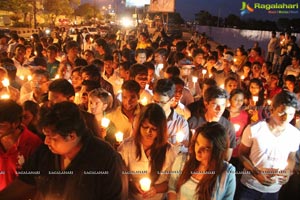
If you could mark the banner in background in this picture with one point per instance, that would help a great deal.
(162, 6)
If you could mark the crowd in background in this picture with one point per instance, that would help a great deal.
(192, 115)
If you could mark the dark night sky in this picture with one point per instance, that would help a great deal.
(188, 8)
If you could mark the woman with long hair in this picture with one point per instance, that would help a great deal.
(148, 154)
(205, 174)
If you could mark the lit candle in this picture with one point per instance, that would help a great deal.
(145, 184)
(222, 86)
(255, 99)
(5, 96)
(242, 77)
(22, 77)
(194, 79)
(236, 127)
(193, 131)
(269, 101)
(179, 136)
(29, 77)
(105, 122)
(56, 76)
(5, 82)
(234, 60)
(144, 101)
(204, 71)
(119, 136)
(160, 66)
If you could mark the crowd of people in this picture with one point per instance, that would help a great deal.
(93, 118)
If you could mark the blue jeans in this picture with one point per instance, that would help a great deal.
(245, 193)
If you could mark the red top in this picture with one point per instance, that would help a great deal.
(242, 120)
(14, 158)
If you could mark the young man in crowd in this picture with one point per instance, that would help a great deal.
(268, 150)
(215, 99)
(125, 115)
(70, 159)
(163, 95)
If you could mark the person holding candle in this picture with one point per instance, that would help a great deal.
(177, 105)
(268, 150)
(100, 102)
(125, 115)
(164, 95)
(245, 75)
(255, 100)
(240, 119)
(72, 164)
(160, 58)
(240, 57)
(39, 86)
(272, 86)
(148, 154)
(7, 91)
(17, 143)
(204, 173)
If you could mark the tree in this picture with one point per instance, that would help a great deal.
(54, 8)
(203, 17)
(232, 21)
(18, 7)
(87, 11)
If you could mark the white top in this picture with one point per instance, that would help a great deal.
(224, 188)
(137, 169)
(268, 151)
(290, 70)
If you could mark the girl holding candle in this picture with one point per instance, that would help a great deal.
(205, 175)
(239, 118)
(99, 102)
(255, 100)
(148, 154)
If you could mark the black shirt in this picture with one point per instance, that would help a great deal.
(95, 173)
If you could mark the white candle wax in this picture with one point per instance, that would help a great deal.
(236, 127)
(179, 136)
(119, 136)
(105, 122)
(255, 98)
(145, 184)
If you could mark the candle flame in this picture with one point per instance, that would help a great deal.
(5, 82)
(145, 184)
(119, 136)
(179, 136)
